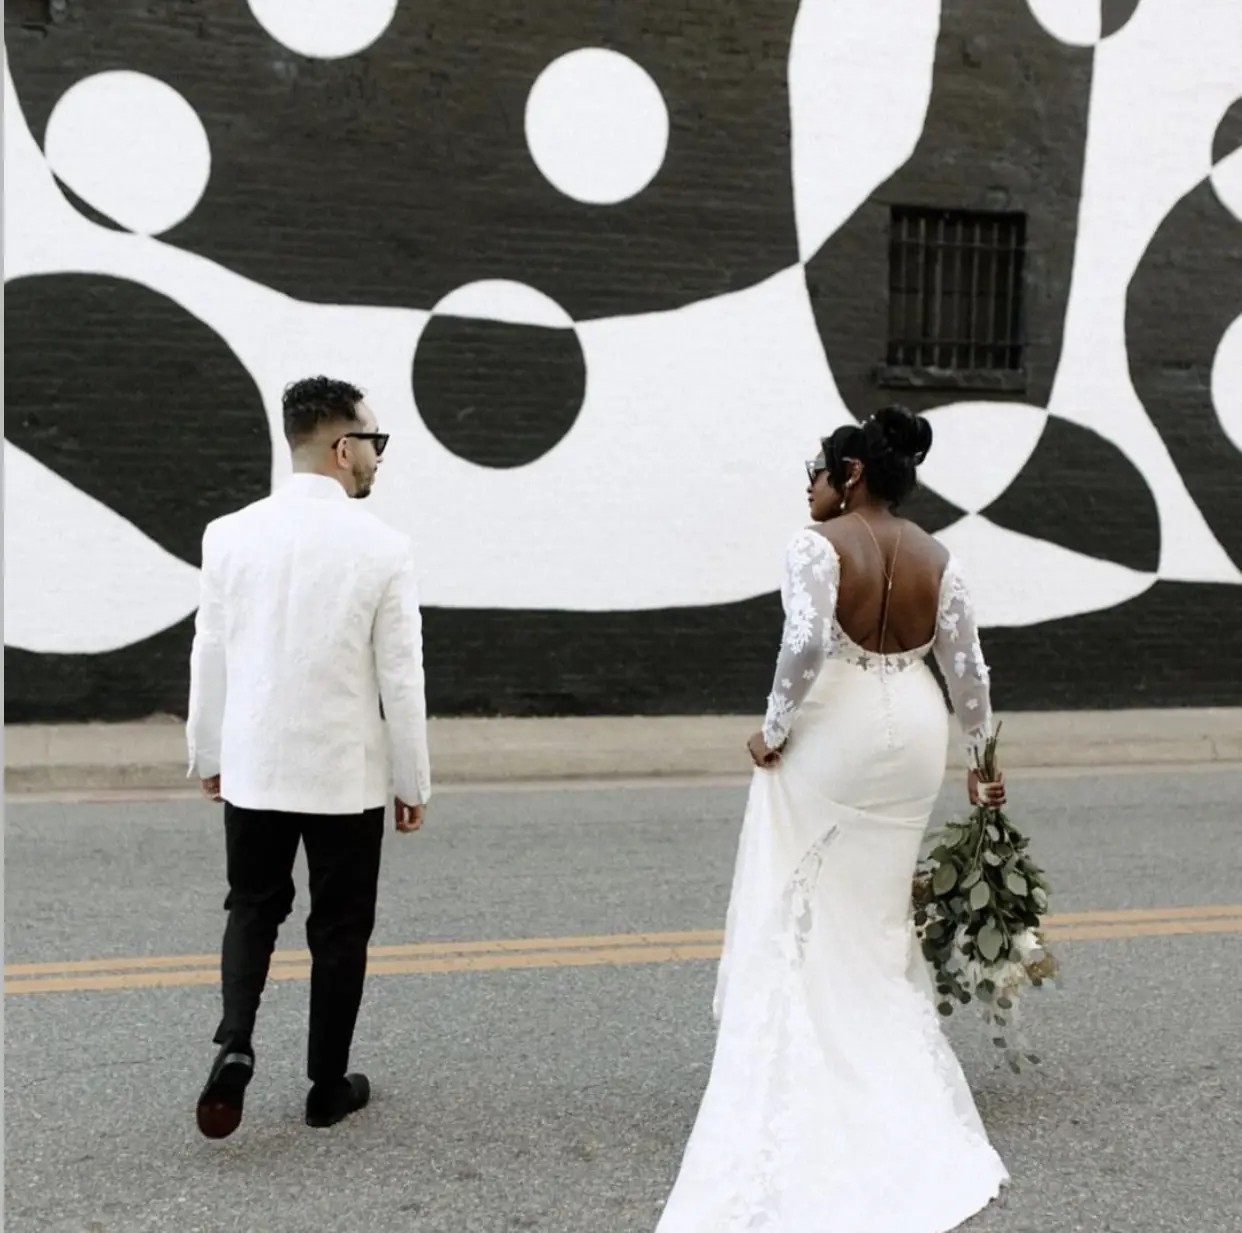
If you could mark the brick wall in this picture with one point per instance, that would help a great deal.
(600, 407)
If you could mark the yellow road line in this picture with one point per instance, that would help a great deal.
(1153, 929)
(411, 949)
(515, 954)
(1125, 915)
(496, 962)
(589, 941)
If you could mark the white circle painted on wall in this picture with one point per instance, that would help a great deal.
(1083, 23)
(131, 147)
(324, 29)
(1076, 22)
(597, 126)
(501, 299)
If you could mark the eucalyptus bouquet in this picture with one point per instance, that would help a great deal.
(979, 899)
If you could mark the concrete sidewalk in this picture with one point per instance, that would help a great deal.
(151, 755)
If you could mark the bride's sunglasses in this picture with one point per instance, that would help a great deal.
(814, 469)
(378, 439)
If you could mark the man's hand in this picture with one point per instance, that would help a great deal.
(993, 794)
(760, 754)
(409, 817)
(211, 788)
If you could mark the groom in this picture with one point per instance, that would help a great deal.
(307, 646)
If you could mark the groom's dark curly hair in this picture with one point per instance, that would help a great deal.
(314, 401)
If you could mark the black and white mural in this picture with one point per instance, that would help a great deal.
(607, 273)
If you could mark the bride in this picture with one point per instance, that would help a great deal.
(835, 1104)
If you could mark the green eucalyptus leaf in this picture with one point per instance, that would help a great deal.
(971, 878)
(945, 1008)
(944, 879)
(992, 833)
(989, 942)
(1004, 1003)
(1017, 884)
(981, 896)
(992, 859)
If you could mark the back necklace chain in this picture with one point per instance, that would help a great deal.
(887, 570)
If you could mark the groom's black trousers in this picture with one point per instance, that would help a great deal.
(343, 856)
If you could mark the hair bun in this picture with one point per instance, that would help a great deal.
(902, 432)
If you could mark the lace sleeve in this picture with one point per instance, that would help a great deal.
(812, 576)
(960, 656)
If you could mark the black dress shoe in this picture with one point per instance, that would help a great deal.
(329, 1103)
(220, 1105)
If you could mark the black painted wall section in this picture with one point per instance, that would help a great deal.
(1079, 491)
(397, 175)
(1005, 131)
(1185, 294)
(492, 424)
(401, 174)
(95, 367)
(1178, 645)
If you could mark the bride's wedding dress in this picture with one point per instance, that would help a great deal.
(835, 1104)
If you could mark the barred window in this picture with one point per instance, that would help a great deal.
(955, 290)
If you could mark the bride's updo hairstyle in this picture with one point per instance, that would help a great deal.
(890, 445)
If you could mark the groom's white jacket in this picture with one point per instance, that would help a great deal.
(308, 618)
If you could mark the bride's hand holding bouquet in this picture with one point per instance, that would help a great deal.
(979, 900)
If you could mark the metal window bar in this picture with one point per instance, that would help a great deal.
(955, 289)
(914, 307)
(961, 350)
(1016, 251)
(995, 290)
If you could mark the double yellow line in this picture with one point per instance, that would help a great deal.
(516, 954)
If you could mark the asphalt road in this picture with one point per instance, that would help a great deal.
(555, 1094)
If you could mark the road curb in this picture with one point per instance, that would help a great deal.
(151, 755)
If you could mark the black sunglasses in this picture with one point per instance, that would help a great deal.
(814, 469)
(378, 439)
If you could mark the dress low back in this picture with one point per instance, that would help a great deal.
(835, 1104)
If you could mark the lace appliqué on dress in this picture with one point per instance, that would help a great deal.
(809, 595)
(799, 898)
(959, 653)
(873, 661)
